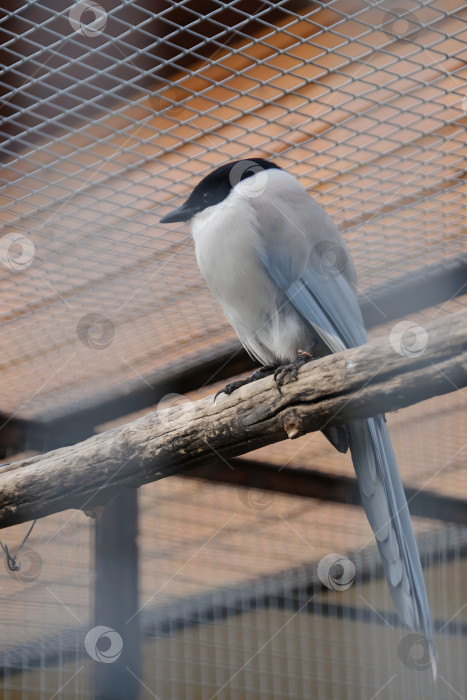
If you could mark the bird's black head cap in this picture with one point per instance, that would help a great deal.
(216, 186)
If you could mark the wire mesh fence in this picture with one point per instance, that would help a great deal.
(111, 113)
(110, 122)
(232, 604)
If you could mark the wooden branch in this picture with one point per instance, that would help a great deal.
(392, 299)
(358, 383)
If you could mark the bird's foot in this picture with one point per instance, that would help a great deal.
(303, 356)
(265, 371)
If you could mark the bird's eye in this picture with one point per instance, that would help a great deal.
(206, 196)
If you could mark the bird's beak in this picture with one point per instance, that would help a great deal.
(183, 213)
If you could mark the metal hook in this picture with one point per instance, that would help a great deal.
(11, 560)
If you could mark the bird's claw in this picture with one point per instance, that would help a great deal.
(230, 388)
(303, 356)
(282, 372)
(258, 374)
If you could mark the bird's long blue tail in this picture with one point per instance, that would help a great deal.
(386, 507)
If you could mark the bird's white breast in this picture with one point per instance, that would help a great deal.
(226, 243)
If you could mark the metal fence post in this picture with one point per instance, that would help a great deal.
(116, 599)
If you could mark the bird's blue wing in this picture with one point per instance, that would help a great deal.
(297, 236)
(305, 255)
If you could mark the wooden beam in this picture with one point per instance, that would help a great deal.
(312, 483)
(375, 378)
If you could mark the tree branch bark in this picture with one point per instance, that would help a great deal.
(358, 383)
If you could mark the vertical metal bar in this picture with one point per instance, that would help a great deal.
(116, 599)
